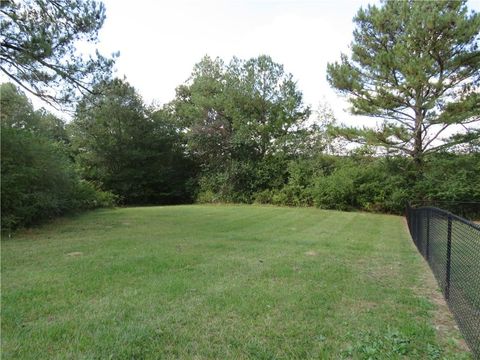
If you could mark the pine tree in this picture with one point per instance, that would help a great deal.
(415, 65)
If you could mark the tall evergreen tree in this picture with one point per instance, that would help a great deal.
(416, 65)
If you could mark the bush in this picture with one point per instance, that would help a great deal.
(380, 185)
(39, 181)
(336, 191)
(234, 184)
(354, 183)
(87, 196)
(451, 182)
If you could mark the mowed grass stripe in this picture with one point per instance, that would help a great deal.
(217, 282)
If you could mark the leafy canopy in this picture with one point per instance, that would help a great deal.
(243, 110)
(124, 147)
(241, 121)
(39, 180)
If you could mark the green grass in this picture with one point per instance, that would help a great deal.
(224, 282)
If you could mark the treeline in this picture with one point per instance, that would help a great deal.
(236, 132)
(39, 178)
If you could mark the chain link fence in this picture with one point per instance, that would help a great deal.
(469, 210)
(451, 246)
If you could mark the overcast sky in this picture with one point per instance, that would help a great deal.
(160, 41)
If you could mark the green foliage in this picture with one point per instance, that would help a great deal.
(31, 168)
(368, 184)
(453, 178)
(87, 196)
(379, 184)
(39, 41)
(268, 107)
(338, 190)
(414, 65)
(123, 147)
(17, 112)
(451, 182)
(245, 123)
(264, 197)
(291, 195)
(297, 189)
(39, 181)
(241, 122)
(232, 185)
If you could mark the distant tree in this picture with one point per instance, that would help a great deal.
(39, 180)
(248, 106)
(267, 105)
(416, 65)
(39, 47)
(201, 109)
(124, 148)
(17, 112)
(317, 137)
(240, 121)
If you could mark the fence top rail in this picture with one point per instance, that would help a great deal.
(448, 213)
(443, 202)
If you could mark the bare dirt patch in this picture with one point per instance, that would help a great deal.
(311, 253)
(75, 253)
(364, 305)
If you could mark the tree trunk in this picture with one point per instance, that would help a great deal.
(418, 151)
(418, 143)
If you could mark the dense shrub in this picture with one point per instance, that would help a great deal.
(242, 181)
(451, 182)
(39, 178)
(143, 158)
(39, 181)
(87, 196)
(379, 184)
(366, 184)
(230, 185)
(264, 197)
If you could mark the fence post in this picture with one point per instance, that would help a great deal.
(419, 212)
(427, 250)
(449, 256)
(420, 227)
(409, 218)
(415, 227)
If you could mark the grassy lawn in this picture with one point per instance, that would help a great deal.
(224, 282)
